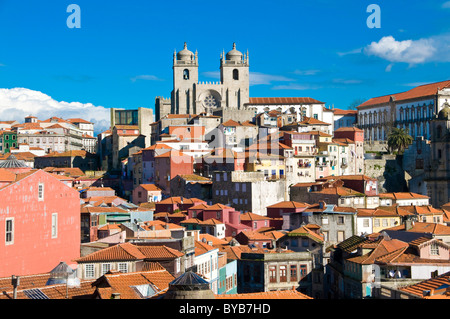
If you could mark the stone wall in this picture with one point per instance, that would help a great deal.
(388, 171)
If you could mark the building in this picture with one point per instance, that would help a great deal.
(299, 108)
(247, 191)
(413, 109)
(71, 159)
(146, 193)
(128, 258)
(344, 118)
(34, 199)
(438, 173)
(170, 164)
(190, 96)
(272, 271)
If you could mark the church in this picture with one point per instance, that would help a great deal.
(189, 96)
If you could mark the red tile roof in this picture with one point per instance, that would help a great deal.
(419, 91)
(282, 100)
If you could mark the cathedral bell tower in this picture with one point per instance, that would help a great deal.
(185, 76)
(234, 76)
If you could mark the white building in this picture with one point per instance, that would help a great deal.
(207, 262)
(413, 109)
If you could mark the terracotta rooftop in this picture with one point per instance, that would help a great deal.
(289, 204)
(436, 286)
(249, 216)
(128, 251)
(126, 284)
(419, 91)
(403, 195)
(282, 100)
(150, 187)
(282, 294)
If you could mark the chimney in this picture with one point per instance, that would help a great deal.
(409, 223)
(15, 281)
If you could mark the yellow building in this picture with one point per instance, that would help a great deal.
(272, 165)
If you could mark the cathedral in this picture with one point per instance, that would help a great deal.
(189, 96)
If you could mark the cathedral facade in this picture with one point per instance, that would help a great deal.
(189, 96)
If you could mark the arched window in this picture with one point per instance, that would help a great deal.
(235, 74)
(186, 74)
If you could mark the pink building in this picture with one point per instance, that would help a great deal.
(146, 193)
(169, 165)
(292, 207)
(255, 221)
(227, 215)
(39, 224)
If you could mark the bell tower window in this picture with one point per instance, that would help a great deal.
(235, 74)
(186, 74)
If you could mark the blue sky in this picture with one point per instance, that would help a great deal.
(122, 54)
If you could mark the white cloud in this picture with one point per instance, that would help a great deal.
(355, 51)
(446, 5)
(347, 81)
(389, 67)
(407, 51)
(306, 72)
(295, 86)
(17, 103)
(145, 77)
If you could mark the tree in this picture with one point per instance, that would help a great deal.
(398, 140)
(355, 103)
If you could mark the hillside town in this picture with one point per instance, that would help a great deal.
(216, 194)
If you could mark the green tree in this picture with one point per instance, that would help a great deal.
(398, 140)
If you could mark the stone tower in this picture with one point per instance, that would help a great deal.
(189, 286)
(234, 76)
(438, 173)
(185, 76)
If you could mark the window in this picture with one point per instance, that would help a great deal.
(324, 220)
(376, 223)
(9, 231)
(366, 222)
(235, 74)
(283, 273)
(385, 222)
(105, 268)
(340, 236)
(305, 242)
(303, 270)
(325, 235)
(186, 74)
(272, 274)
(123, 267)
(244, 187)
(340, 220)
(54, 225)
(434, 249)
(293, 272)
(40, 192)
(89, 271)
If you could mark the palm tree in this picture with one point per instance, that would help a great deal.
(399, 140)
